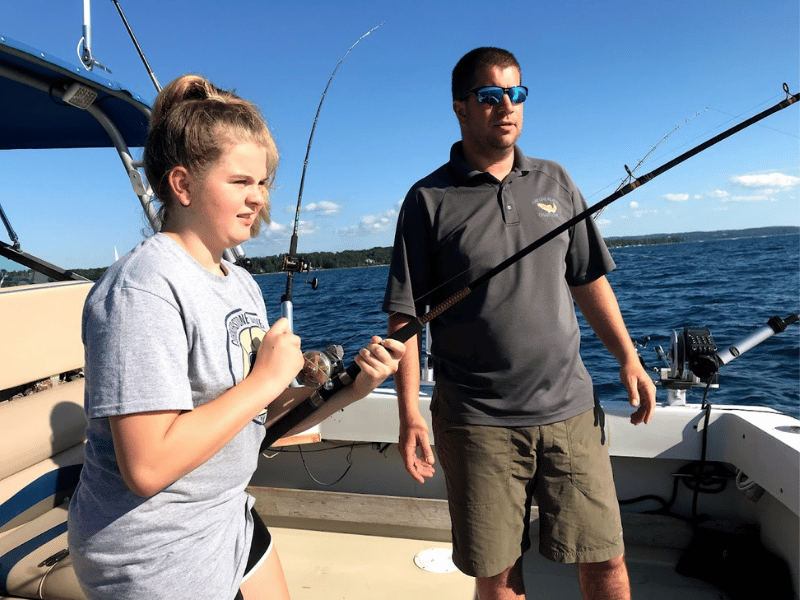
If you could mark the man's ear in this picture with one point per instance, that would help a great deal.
(460, 108)
(180, 184)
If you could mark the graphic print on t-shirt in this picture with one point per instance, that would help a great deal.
(245, 332)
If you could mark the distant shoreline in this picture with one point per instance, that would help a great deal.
(380, 256)
(699, 236)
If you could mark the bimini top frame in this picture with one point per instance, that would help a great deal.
(46, 102)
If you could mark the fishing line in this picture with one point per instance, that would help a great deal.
(737, 117)
(629, 178)
(702, 135)
(292, 263)
(760, 124)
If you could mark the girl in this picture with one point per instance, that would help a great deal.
(180, 367)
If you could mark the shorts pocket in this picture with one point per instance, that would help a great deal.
(589, 465)
(476, 463)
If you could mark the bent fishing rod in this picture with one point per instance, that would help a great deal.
(291, 262)
(344, 378)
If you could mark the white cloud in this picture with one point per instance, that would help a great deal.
(278, 232)
(677, 197)
(323, 208)
(603, 223)
(644, 212)
(716, 194)
(274, 228)
(767, 180)
(369, 224)
(753, 198)
(634, 204)
(307, 227)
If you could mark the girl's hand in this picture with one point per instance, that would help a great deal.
(279, 358)
(378, 361)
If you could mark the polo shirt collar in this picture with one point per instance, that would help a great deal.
(462, 171)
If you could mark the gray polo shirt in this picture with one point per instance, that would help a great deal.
(508, 354)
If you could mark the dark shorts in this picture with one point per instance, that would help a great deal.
(494, 475)
(260, 548)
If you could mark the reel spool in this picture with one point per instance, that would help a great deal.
(691, 361)
(297, 264)
(321, 366)
(693, 355)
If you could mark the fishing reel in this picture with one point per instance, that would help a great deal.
(693, 355)
(297, 264)
(691, 361)
(321, 366)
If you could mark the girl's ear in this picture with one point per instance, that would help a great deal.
(180, 184)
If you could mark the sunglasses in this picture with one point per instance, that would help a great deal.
(494, 95)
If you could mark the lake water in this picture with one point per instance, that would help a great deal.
(731, 286)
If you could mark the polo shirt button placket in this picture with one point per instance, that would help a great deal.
(510, 216)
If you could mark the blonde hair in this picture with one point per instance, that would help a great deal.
(192, 124)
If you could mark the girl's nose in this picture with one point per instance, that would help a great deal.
(255, 198)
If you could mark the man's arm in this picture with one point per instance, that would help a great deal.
(599, 307)
(414, 432)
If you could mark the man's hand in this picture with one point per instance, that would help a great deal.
(414, 435)
(641, 391)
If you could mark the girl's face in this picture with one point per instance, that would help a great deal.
(227, 199)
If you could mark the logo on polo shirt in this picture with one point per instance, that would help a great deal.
(548, 206)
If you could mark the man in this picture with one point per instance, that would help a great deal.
(514, 414)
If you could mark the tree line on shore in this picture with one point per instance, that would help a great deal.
(373, 257)
(326, 260)
(381, 255)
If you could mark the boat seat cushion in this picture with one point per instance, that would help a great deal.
(43, 324)
(42, 449)
(41, 425)
(25, 571)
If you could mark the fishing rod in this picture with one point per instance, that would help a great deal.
(236, 254)
(138, 47)
(642, 160)
(694, 359)
(340, 380)
(291, 262)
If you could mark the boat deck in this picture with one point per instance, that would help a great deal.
(358, 547)
(336, 565)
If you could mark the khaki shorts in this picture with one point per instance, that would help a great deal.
(493, 473)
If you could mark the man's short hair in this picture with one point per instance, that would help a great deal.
(473, 61)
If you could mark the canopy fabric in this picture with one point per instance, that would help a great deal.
(36, 118)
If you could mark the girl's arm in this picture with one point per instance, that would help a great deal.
(154, 449)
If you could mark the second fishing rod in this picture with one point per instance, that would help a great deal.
(346, 376)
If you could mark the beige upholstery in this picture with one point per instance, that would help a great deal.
(39, 426)
(28, 578)
(40, 327)
(41, 437)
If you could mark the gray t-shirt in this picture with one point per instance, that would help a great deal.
(163, 333)
(509, 353)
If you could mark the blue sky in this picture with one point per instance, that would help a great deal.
(608, 81)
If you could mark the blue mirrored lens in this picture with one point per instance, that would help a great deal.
(494, 95)
(490, 95)
(517, 94)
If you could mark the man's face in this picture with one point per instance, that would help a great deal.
(490, 129)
